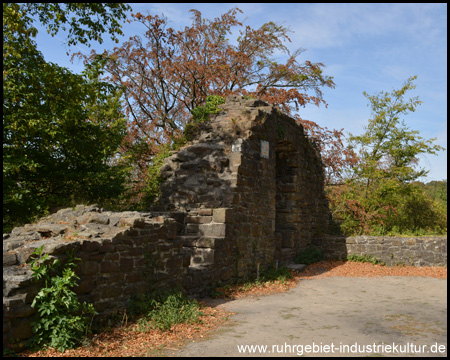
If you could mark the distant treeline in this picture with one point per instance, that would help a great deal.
(389, 208)
(437, 190)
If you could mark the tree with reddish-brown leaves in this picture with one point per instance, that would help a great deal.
(338, 158)
(167, 73)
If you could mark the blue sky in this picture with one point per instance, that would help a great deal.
(365, 47)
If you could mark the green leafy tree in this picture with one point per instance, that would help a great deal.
(89, 21)
(61, 131)
(388, 148)
(380, 197)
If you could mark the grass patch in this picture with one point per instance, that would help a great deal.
(164, 309)
(365, 259)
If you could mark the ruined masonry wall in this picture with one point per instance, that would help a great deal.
(246, 193)
(415, 251)
(121, 254)
(274, 201)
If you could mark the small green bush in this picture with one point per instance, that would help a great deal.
(62, 320)
(154, 179)
(309, 256)
(201, 113)
(163, 309)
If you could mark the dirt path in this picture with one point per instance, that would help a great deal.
(334, 316)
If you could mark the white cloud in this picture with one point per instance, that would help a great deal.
(335, 25)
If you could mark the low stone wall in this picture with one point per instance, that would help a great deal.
(121, 254)
(416, 251)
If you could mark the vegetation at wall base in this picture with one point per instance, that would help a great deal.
(62, 320)
(309, 256)
(365, 259)
(161, 309)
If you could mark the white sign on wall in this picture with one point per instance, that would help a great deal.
(264, 149)
(237, 146)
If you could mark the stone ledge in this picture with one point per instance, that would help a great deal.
(212, 230)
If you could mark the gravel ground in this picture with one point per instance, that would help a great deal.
(337, 309)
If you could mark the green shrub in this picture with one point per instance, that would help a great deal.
(309, 256)
(365, 259)
(387, 208)
(163, 309)
(154, 179)
(201, 113)
(62, 320)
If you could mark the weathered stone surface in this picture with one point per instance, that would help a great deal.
(12, 243)
(137, 221)
(62, 247)
(198, 219)
(212, 230)
(9, 258)
(416, 251)
(48, 230)
(209, 242)
(205, 212)
(222, 215)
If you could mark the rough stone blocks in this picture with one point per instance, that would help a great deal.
(212, 230)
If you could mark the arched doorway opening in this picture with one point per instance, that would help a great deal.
(286, 213)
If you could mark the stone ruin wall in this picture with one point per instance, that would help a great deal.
(225, 210)
(246, 193)
(121, 254)
(272, 204)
